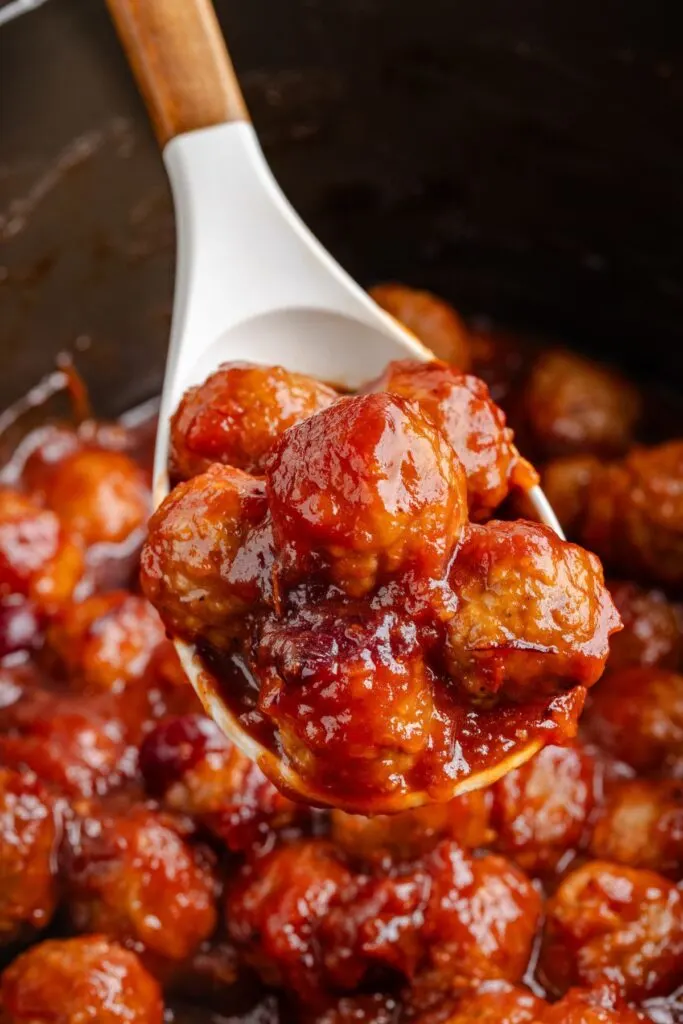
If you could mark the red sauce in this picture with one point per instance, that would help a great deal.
(384, 650)
(552, 895)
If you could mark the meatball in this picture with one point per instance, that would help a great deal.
(464, 941)
(652, 629)
(641, 824)
(566, 482)
(28, 841)
(634, 514)
(207, 550)
(236, 414)
(378, 930)
(75, 748)
(364, 489)
(190, 766)
(48, 446)
(71, 981)
(572, 405)
(608, 923)
(101, 496)
(432, 320)
(401, 837)
(462, 409)
(540, 811)
(637, 716)
(351, 697)
(275, 906)
(493, 1002)
(432, 923)
(135, 879)
(592, 1006)
(43, 448)
(534, 616)
(38, 560)
(107, 642)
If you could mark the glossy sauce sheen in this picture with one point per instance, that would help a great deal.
(357, 623)
(149, 871)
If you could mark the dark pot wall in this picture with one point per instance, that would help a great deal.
(525, 159)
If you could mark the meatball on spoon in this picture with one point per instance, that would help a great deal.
(252, 281)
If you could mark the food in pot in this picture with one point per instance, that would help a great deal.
(146, 863)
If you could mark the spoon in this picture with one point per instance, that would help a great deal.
(251, 280)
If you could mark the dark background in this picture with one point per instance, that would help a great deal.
(523, 158)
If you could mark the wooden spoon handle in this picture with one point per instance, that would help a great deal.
(181, 63)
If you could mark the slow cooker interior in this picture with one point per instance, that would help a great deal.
(521, 159)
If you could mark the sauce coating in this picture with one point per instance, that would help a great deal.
(149, 870)
(383, 649)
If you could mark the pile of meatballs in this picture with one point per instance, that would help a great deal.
(382, 636)
(150, 872)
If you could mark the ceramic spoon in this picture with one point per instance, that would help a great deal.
(251, 282)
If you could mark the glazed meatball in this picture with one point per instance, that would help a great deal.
(534, 616)
(493, 1002)
(190, 766)
(136, 880)
(101, 496)
(236, 414)
(75, 748)
(464, 941)
(107, 642)
(274, 909)
(641, 824)
(47, 446)
(43, 448)
(432, 923)
(400, 837)
(541, 810)
(207, 549)
(566, 482)
(38, 560)
(652, 629)
(609, 923)
(572, 405)
(634, 514)
(462, 409)
(28, 842)
(592, 1006)
(637, 716)
(366, 488)
(351, 697)
(432, 320)
(72, 981)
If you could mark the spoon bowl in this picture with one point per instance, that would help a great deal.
(252, 283)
